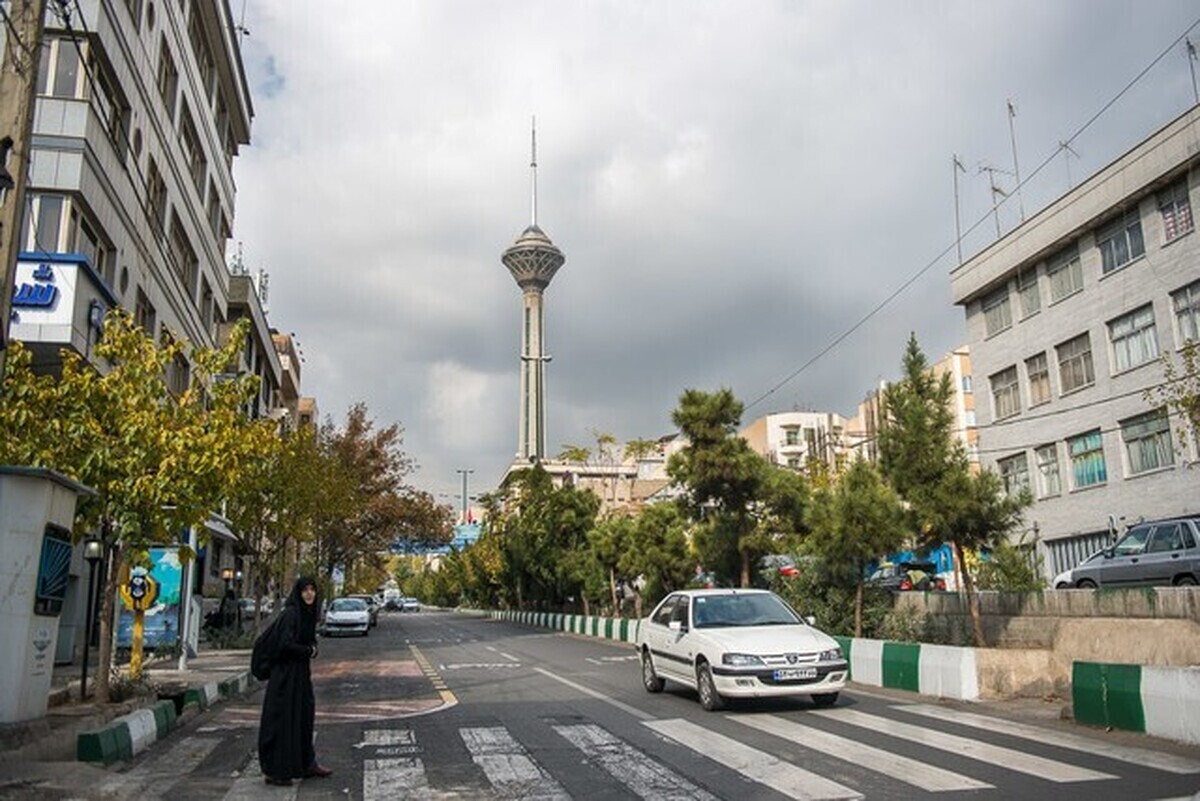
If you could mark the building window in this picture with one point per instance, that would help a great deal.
(200, 49)
(143, 313)
(1065, 274)
(135, 11)
(178, 375)
(1048, 481)
(793, 462)
(82, 238)
(156, 198)
(168, 78)
(1134, 338)
(1006, 395)
(966, 385)
(1121, 242)
(1087, 459)
(1037, 373)
(1028, 293)
(1186, 302)
(997, 313)
(186, 264)
(193, 153)
(43, 223)
(206, 305)
(59, 73)
(791, 436)
(1075, 364)
(1014, 474)
(1147, 440)
(1176, 211)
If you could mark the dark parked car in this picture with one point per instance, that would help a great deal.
(1164, 552)
(903, 576)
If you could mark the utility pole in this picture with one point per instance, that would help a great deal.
(18, 87)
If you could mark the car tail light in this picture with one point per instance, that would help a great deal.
(789, 570)
(939, 584)
(905, 584)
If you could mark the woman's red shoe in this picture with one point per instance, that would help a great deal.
(317, 772)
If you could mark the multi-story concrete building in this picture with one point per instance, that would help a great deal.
(1067, 317)
(794, 439)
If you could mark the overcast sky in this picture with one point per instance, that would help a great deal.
(734, 185)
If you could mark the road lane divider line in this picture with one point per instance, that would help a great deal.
(1008, 758)
(645, 777)
(1171, 763)
(439, 684)
(508, 766)
(632, 710)
(767, 769)
(901, 768)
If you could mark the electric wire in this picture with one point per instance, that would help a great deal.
(981, 221)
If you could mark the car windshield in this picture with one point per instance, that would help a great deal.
(347, 605)
(742, 609)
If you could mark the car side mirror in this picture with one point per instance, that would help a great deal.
(1109, 553)
(810, 620)
(676, 625)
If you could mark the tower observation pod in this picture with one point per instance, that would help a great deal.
(532, 260)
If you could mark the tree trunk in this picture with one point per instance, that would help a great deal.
(104, 661)
(612, 588)
(858, 606)
(745, 568)
(972, 598)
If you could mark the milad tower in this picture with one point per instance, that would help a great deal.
(532, 260)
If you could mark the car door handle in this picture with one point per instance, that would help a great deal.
(1134, 560)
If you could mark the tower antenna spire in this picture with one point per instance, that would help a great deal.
(533, 167)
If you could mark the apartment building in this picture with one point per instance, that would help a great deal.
(794, 439)
(1067, 318)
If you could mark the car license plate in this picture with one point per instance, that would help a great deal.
(787, 674)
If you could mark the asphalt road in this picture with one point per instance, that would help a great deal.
(438, 705)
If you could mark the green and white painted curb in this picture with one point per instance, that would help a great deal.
(1161, 701)
(125, 737)
(944, 671)
(619, 629)
(128, 735)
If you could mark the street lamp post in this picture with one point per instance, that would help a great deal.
(237, 599)
(93, 550)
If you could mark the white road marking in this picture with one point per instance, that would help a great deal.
(508, 766)
(158, 773)
(900, 768)
(378, 737)
(251, 787)
(760, 766)
(478, 666)
(509, 657)
(1170, 763)
(395, 778)
(642, 775)
(631, 710)
(1007, 758)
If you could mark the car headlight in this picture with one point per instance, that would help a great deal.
(741, 660)
(832, 655)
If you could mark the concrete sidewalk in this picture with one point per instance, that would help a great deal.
(71, 725)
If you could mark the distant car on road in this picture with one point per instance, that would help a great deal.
(372, 607)
(1162, 552)
(738, 643)
(347, 616)
(904, 576)
(410, 604)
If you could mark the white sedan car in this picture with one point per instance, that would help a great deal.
(738, 644)
(347, 616)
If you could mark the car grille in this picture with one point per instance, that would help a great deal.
(786, 660)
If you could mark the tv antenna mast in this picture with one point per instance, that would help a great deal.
(1012, 135)
(1068, 151)
(996, 192)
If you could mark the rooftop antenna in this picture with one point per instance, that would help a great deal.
(238, 267)
(1191, 54)
(533, 168)
(958, 166)
(241, 28)
(1066, 146)
(1012, 135)
(996, 191)
(264, 284)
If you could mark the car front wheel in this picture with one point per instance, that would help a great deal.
(1085, 584)
(825, 699)
(710, 699)
(650, 679)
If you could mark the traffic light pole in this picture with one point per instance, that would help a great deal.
(18, 89)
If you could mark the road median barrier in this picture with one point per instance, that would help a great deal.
(1160, 701)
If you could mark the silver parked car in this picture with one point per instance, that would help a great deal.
(1164, 552)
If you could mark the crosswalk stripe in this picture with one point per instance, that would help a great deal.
(508, 765)
(1170, 763)
(160, 771)
(760, 766)
(900, 768)
(400, 777)
(1007, 758)
(645, 777)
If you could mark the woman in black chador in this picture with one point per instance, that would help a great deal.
(285, 736)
